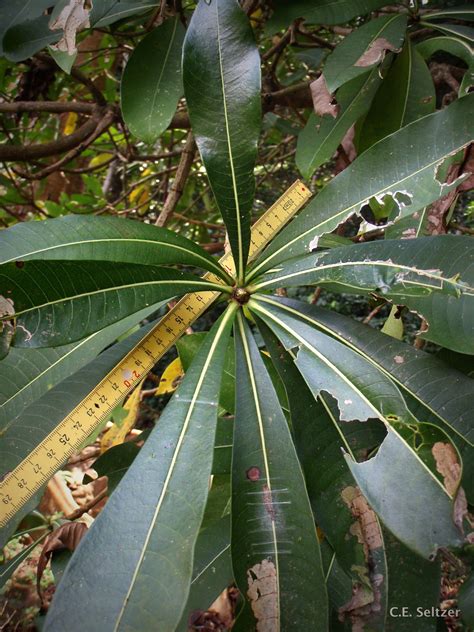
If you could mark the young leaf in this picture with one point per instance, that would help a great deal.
(363, 48)
(151, 83)
(85, 297)
(403, 167)
(163, 495)
(407, 93)
(321, 136)
(275, 551)
(364, 392)
(221, 73)
(74, 238)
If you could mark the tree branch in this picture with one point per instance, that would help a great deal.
(179, 182)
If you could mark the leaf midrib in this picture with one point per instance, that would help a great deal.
(333, 368)
(348, 209)
(227, 316)
(368, 358)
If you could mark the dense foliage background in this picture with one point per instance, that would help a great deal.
(95, 123)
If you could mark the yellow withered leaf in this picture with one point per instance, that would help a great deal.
(71, 123)
(171, 378)
(116, 434)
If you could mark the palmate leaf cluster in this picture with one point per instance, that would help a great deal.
(331, 446)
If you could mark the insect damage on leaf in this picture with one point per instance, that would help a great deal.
(263, 595)
(365, 602)
(323, 101)
(448, 466)
(73, 18)
(7, 325)
(376, 52)
(366, 529)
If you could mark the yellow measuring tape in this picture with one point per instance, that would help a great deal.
(26, 479)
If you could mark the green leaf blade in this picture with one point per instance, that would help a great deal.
(221, 73)
(321, 136)
(363, 393)
(164, 493)
(274, 542)
(84, 297)
(151, 84)
(403, 166)
(407, 93)
(75, 238)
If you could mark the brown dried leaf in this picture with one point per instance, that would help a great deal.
(67, 536)
(262, 592)
(323, 101)
(376, 52)
(449, 467)
(73, 18)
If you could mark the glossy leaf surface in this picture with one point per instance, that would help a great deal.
(363, 393)
(407, 93)
(321, 136)
(84, 297)
(74, 238)
(164, 494)
(402, 167)
(345, 62)
(275, 551)
(151, 84)
(221, 73)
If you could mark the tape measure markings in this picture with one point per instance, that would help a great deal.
(43, 461)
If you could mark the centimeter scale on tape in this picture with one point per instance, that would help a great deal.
(31, 474)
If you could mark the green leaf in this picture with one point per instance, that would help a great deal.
(322, 134)
(101, 239)
(25, 39)
(151, 83)
(64, 61)
(397, 483)
(454, 46)
(455, 13)
(212, 571)
(115, 462)
(392, 481)
(402, 167)
(422, 274)
(324, 12)
(221, 73)
(458, 30)
(164, 494)
(345, 62)
(19, 11)
(319, 438)
(29, 373)
(436, 393)
(85, 297)
(188, 346)
(407, 93)
(275, 550)
(41, 417)
(413, 583)
(107, 12)
(466, 600)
